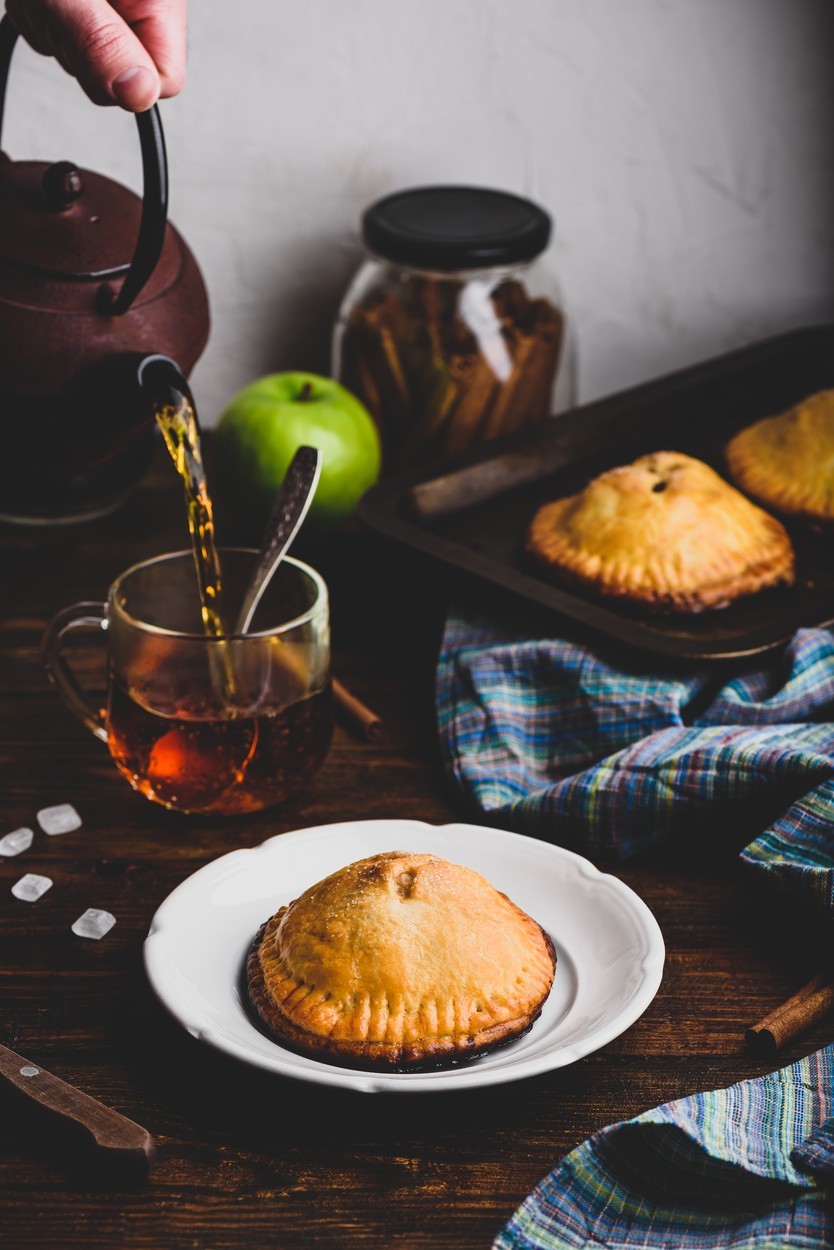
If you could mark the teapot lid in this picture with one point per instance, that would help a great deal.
(64, 222)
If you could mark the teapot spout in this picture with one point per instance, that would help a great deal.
(162, 383)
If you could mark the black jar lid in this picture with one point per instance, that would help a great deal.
(449, 228)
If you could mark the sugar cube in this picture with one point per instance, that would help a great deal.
(62, 818)
(16, 842)
(93, 923)
(31, 887)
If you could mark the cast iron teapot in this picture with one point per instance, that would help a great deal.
(91, 278)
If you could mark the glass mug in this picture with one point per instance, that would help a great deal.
(203, 724)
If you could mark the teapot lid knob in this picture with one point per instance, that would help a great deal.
(62, 184)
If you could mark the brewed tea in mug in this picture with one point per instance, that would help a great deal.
(201, 723)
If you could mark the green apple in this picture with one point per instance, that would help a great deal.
(266, 423)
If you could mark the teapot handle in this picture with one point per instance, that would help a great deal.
(154, 198)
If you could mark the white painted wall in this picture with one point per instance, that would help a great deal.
(683, 146)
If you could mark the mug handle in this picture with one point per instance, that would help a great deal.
(79, 616)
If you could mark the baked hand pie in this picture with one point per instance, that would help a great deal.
(666, 532)
(399, 961)
(787, 461)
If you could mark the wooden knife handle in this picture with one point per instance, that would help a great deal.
(120, 1140)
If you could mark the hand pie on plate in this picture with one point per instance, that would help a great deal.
(666, 532)
(399, 961)
(787, 461)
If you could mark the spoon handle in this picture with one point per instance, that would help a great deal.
(288, 512)
(113, 1135)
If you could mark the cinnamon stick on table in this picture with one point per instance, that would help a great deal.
(804, 1009)
(354, 715)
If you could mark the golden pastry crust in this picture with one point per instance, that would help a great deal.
(787, 461)
(666, 532)
(399, 961)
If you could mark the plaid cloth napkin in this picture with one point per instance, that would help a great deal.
(547, 737)
(744, 1166)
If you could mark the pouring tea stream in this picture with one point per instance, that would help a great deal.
(170, 399)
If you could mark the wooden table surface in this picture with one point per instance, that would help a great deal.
(246, 1159)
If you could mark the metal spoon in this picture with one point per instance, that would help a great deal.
(288, 512)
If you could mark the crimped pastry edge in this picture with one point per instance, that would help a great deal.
(745, 470)
(563, 563)
(436, 1052)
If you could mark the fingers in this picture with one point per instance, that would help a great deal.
(112, 49)
(160, 25)
(27, 20)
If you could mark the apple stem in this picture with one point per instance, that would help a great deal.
(306, 393)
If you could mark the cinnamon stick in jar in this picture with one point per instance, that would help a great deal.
(430, 386)
(453, 331)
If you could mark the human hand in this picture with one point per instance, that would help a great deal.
(126, 52)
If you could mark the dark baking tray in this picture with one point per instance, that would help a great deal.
(472, 511)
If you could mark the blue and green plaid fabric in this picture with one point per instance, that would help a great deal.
(550, 738)
(737, 1167)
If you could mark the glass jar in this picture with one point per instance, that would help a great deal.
(453, 331)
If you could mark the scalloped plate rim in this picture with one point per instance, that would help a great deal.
(160, 946)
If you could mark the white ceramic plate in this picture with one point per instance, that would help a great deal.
(609, 946)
